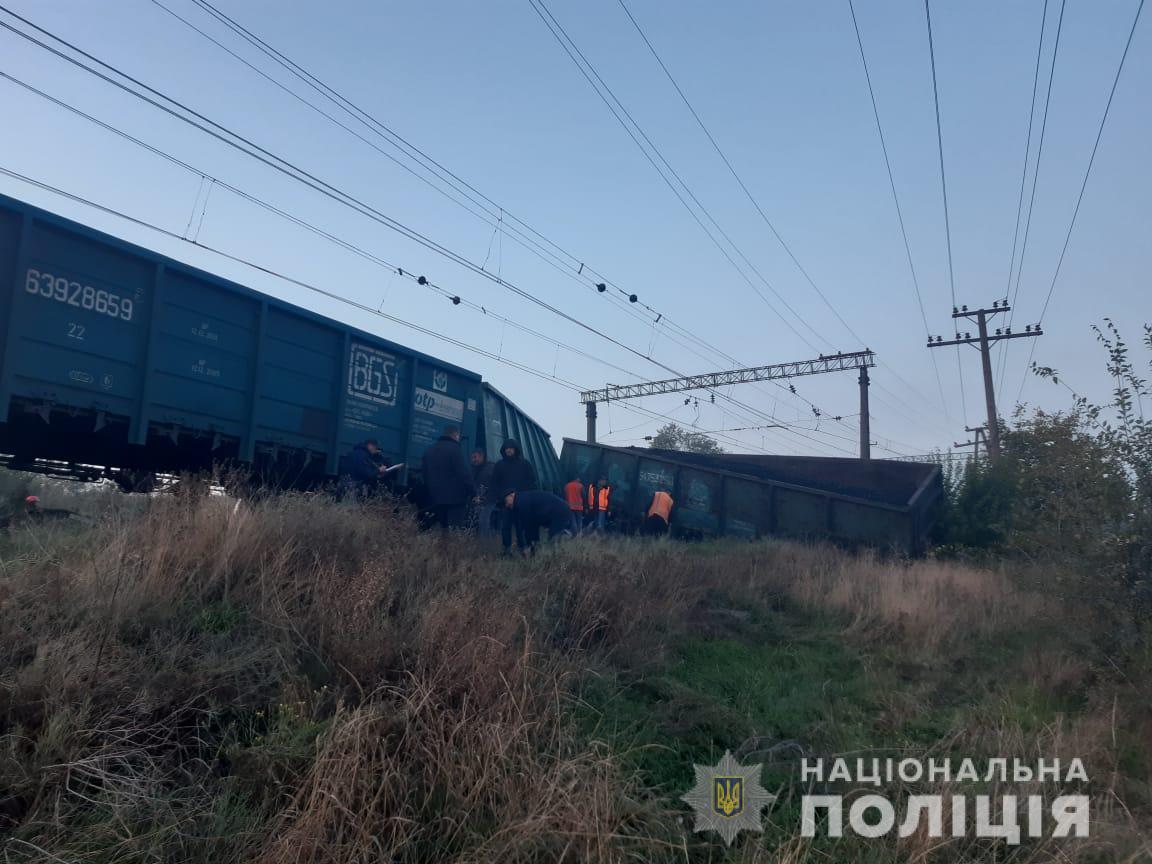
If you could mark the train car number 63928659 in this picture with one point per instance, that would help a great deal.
(72, 293)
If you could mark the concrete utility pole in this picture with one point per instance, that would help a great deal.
(984, 342)
(824, 363)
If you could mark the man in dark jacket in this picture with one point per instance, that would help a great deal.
(449, 482)
(364, 468)
(534, 510)
(514, 472)
(486, 492)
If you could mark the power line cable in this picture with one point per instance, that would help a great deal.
(249, 148)
(564, 40)
(613, 103)
(944, 190)
(321, 291)
(424, 159)
(1032, 194)
(1083, 186)
(287, 168)
(899, 209)
(756, 204)
(1028, 146)
(739, 180)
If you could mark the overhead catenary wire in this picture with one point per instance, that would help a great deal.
(620, 112)
(174, 235)
(496, 221)
(250, 148)
(732, 170)
(300, 283)
(617, 108)
(392, 136)
(222, 134)
(441, 172)
(289, 169)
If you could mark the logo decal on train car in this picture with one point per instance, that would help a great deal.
(373, 375)
(439, 405)
(440, 380)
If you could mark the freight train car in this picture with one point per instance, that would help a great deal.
(116, 356)
(501, 420)
(876, 503)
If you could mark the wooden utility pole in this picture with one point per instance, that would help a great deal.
(984, 341)
(977, 440)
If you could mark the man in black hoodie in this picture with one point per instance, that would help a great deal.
(448, 480)
(513, 472)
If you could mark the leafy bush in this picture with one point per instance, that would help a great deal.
(1072, 488)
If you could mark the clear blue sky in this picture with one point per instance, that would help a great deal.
(485, 89)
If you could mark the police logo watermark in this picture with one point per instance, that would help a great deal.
(728, 798)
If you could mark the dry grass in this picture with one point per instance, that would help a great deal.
(293, 680)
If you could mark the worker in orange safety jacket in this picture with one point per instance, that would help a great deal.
(574, 495)
(659, 513)
(599, 504)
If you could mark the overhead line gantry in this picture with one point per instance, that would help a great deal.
(860, 360)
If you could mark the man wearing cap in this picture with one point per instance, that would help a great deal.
(364, 469)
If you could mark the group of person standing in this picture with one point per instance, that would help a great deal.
(589, 505)
(495, 497)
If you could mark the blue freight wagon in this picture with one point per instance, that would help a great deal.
(501, 420)
(878, 503)
(116, 356)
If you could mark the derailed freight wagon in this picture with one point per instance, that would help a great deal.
(874, 503)
(116, 356)
(501, 421)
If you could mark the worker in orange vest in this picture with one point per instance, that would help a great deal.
(599, 504)
(574, 495)
(659, 513)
